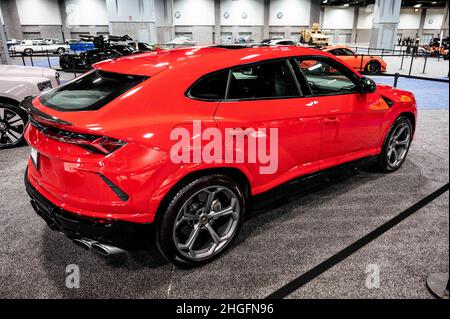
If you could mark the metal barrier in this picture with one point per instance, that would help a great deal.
(397, 76)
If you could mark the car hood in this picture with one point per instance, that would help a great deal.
(25, 71)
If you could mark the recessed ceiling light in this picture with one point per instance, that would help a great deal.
(434, 2)
(418, 5)
(346, 5)
(325, 1)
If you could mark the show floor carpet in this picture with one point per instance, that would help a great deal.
(279, 243)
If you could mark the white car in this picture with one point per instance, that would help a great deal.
(182, 41)
(280, 41)
(16, 84)
(29, 47)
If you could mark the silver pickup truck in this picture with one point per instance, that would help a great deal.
(16, 84)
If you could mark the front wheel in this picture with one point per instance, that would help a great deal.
(396, 145)
(12, 125)
(61, 51)
(201, 221)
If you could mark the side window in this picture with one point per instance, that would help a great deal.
(347, 52)
(335, 52)
(211, 87)
(325, 79)
(267, 80)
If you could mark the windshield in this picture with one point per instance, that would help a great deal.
(90, 92)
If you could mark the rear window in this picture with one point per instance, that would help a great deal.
(91, 92)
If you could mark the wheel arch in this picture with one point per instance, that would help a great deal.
(4, 99)
(232, 172)
(410, 116)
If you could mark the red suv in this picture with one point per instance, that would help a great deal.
(104, 171)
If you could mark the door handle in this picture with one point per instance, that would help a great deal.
(331, 120)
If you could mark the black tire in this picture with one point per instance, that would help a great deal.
(61, 51)
(166, 225)
(384, 164)
(64, 64)
(12, 125)
(372, 67)
(28, 52)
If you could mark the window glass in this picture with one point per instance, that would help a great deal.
(211, 87)
(324, 78)
(90, 92)
(347, 52)
(268, 80)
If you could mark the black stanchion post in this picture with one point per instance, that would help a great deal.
(73, 68)
(396, 76)
(401, 63)
(31, 59)
(425, 64)
(23, 59)
(48, 60)
(412, 61)
(361, 64)
(368, 51)
(382, 53)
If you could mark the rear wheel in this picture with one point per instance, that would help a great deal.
(61, 51)
(373, 67)
(201, 221)
(28, 51)
(12, 125)
(396, 145)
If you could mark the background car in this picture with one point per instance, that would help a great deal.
(17, 83)
(29, 47)
(364, 63)
(280, 41)
(102, 144)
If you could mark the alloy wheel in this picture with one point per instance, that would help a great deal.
(398, 145)
(11, 127)
(206, 223)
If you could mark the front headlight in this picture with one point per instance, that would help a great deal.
(45, 86)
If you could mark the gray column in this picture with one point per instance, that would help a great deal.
(355, 25)
(64, 27)
(423, 15)
(385, 24)
(266, 27)
(136, 18)
(11, 19)
(217, 26)
(165, 29)
(315, 12)
(4, 56)
(445, 21)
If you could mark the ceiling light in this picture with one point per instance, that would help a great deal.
(346, 5)
(418, 5)
(416, 10)
(434, 2)
(325, 1)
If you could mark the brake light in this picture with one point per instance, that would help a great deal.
(93, 143)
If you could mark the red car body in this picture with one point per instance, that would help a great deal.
(359, 62)
(315, 133)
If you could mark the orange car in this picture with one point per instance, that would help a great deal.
(363, 63)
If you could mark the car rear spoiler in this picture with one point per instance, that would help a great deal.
(28, 107)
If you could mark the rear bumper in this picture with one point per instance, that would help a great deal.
(126, 235)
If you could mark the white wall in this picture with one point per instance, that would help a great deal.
(86, 12)
(409, 19)
(39, 12)
(365, 18)
(130, 10)
(338, 18)
(253, 8)
(294, 12)
(434, 19)
(194, 12)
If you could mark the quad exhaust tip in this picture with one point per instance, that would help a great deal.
(99, 248)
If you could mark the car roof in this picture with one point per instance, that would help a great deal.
(200, 59)
(332, 47)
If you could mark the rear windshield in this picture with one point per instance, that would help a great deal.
(91, 92)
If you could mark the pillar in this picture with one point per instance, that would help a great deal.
(315, 12)
(217, 26)
(354, 37)
(266, 27)
(444, 26)
(135, 18)
(4, 56)
(385, 24)
(11, 19)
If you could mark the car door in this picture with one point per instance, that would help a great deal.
(266, 96)
(351, 120)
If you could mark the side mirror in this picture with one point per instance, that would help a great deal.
(367, 85)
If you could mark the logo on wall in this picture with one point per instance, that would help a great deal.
(430, 21)
(280, 15)
(244, 15)
(177, 15)
(226, 15)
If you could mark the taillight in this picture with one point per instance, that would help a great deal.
(93, 143)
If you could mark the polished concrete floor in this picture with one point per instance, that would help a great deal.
(281, 241)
